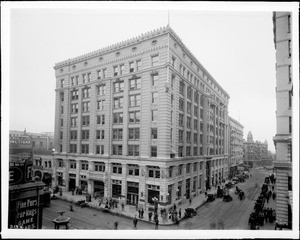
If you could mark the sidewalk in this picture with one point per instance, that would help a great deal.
(131, 212)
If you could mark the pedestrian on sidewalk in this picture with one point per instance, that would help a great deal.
(142, 213)
(150, 215)
(190, 200)
(174, 206)
(177, 222)
(135, 221)
(156, 223)
(122, 206)
(179, 213)
(205, 193)
(116, 224)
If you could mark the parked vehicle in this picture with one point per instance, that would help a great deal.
(227, 198)
(190, 212)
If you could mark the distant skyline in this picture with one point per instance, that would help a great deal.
(236, 47)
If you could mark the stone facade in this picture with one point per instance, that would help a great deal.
(236, 145)
(284, 93)
(138, 120)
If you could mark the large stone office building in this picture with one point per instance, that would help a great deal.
(236, 157)
(139, 120)
(283, 137)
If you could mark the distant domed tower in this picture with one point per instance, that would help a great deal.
(249, 137)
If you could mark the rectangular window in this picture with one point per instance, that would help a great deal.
(180, 151)
(134, 134)
(195, 137)
(181, 87)
(118, 134)
(73, 135)
(188, 166)
(290, 73)
(85, 134)
(101, 90)
(122, 69)
(116, 70)
(153, 151)
(74, 108)
(173, 61)
(134, 100)
(180, 135)
(195, 124)
(153, 172)
(100, 134)
(188, 137)
(180, 119)
(117, 168)
(62, 83)
(61, 122)
(100, 149)
(84, 148)
(133, 150)
(181, 104)
(196, 111)
(188, 122)
(154, 61)
(180, 167)
(85, 106)
(85, 120)
(154, 97)
(154, 80)
(195, 151)
(134, 117)
(74, 122)
(84, 166)
(290, 124)
(101, 119)
(131, 67)
(290, 98)
(117, 149)
(290, 48)
(189, 93)
(189, 107)
(74, 95)
(133, 170)
(99, 166)
(154, 115)
(153, 133)
(118, 118)
(188, 151)
(72, 164)
(118, 102)
(135, 84)
(100, 104)
(118, 86)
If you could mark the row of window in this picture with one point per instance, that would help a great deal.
(133, 150)
(133, 169)
(117, 71)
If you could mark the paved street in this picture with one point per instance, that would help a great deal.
(231, 215)
(214, 215)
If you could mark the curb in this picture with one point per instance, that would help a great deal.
(126, 216)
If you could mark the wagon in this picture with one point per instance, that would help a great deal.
(227, 198)
(210, 198)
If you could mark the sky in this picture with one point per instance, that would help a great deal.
(236, 47)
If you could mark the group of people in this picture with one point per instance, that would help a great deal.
(262, 213)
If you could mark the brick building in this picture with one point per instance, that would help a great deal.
(283, 137)
(139, 120)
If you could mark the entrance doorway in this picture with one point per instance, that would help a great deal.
(132, 193)
(98, 189)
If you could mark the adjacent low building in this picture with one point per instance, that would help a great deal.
(140, 120)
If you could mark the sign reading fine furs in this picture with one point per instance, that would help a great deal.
(27, 212)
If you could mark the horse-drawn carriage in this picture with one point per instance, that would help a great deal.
(241, 195)
(220, 192)
(210, 198)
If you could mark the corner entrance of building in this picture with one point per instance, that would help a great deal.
(132, 193)
(98, 189)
